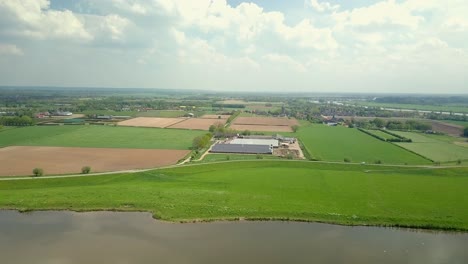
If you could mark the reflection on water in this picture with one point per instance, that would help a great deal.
(106, 237)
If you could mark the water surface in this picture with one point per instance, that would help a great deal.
(107, 237)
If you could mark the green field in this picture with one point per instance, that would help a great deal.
(336, 143)
(381, 134)
(460, 123)
(435, 108)
(436, 148)
(110, 112)
(224, 157)
(289, 190)
(99, 136)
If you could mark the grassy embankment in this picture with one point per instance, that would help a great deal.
(337, 143)
(260, 190)
(99, 137)
(436, 147)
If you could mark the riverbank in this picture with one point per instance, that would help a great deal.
(264, 190)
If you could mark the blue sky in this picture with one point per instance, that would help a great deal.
(276, 45)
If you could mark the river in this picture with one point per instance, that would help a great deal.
(107, 237)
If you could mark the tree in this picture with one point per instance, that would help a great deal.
(465, 132)
(38, 172)
(295, 128)
(86, 169)
(379, 122)
(201, 142)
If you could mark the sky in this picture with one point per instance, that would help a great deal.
(402, 46)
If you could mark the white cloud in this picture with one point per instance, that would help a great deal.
(9, 49)
(280, 60)
(322, 6)
(114, 25)
(33, 18)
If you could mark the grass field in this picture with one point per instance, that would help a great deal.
(99, 137)
(437, 148)
(381, 134)
(460, 123)
(336, 143)
(290, 190)
(224, 157)
(435, 108)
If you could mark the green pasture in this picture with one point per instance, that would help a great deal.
(337, 143)
(437, 148)
(435, 108)
(287, 190)
(239, 157)
(381, 134)
(99, 136)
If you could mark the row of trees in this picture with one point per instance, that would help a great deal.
(391, 124)
(16, 121)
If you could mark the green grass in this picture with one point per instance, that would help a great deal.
(336, 143)
(460, 123)
(435, 108)
(224, 157)
(289, 190)
(434, 147)
(99, 136)
(381, 134)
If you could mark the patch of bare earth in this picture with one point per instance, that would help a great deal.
(450, 129)
(151, 122)
(266, 124)
(198, 123)
(224, 117)
(21, 160)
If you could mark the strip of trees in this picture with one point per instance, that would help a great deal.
(16, 121)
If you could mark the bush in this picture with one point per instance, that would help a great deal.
(289, 156)
(347, 160)
(86, 169)
(459, 161)
(259, 156)
(228, 157)
(378, 162)
(38, 172)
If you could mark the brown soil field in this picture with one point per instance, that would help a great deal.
(268, 121)
(197, 123)
(20, 161)
(450, 129)
(262, 128)
(215, 117)
(151, 122)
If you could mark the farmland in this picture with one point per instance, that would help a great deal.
(436, 148)
(381, 134)
(337, 143)
(334, 193)
(267, 124)
(150, 122)
(99, 137)
(65, 160)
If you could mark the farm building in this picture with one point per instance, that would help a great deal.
(252, 141)
(240, 148)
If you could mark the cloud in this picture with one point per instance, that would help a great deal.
(9, 49)
(33, 18)
(322, 6)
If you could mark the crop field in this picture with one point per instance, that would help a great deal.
(337, 143)
(162, 113)
(224, 117)
(65, 160)
(436, 148)
(198, 123)
(151, 122)
(447, 128)
(268, 124)
(288, 190)
(99, 137)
